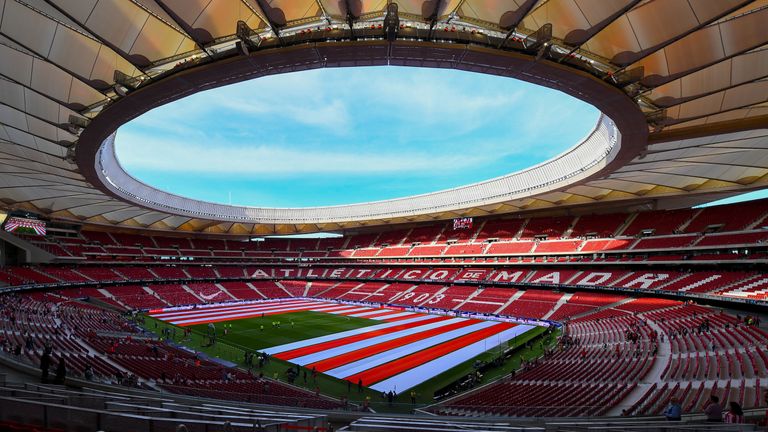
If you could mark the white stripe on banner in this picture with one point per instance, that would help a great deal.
(430, 369)
(394, 354)
(227, 312)
(169, 312)
(234, 308)
(326, 338)
(243, 313)
(373, 312)
(393, 315)
(351, 309)
(333, 352)
(333, 307)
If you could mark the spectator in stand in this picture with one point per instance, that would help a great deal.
(714, 411)
(88, 373)
(674, 411)
(61, 372)
(764, 421)
(45, 365)
(735, 414)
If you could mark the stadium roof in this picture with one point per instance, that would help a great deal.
(683, 86)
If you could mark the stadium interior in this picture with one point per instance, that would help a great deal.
(594, 291)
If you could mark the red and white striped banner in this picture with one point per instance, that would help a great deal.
(404, 350)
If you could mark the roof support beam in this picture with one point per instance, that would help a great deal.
(669, 122)
(56, 125)
(76, 76)
(511, 19)
(391, 23)
(664, 80)
(351, 17)
(689, 176)
(591, 32)
(739, 147)
(652, 185)
(188, 30)
(679, 101)
(648, 51)
(45, 177)
(17, 160)
(432, 17)
(322, 9)
(144, 213)
(269, 15)
(33, 134)
(32, 201)
(127, 57)
(719, 128)
(724, 164)
(36, 136)
(67, 105)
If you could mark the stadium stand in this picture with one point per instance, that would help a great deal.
(599, 322)
(621, 349)
(510, 237)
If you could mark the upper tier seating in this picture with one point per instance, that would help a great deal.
(729, 284)
(175, 294)
(465, 249)
(734, 217)
(665, 242)
(427, 250)
(26, 275)
(598, 225)
(135, 273)
(392, 238)
(103, 238)
(557, 246)
(665, 229)
(733, 239)
(606, 245)
(133, 240)
(424, 235)
(100, 274)
(242, 290)
(660, 222)
(64, 274)
(361, 240)
(136, 297)
(502, 229)
(506, 248)
(552, 227)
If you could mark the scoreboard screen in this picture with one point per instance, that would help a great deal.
(25, 226)
(462, 223)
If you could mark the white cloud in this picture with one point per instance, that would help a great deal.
(331, 115)
(142, 152)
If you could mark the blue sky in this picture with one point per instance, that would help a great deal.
(739, 198)
(339, 136)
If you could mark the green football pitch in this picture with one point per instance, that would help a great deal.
(247, 335)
